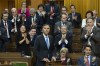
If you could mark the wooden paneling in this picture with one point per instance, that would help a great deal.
(35, 3)
(3, 5)
(18, 3)
(99, 7)
(83, 5)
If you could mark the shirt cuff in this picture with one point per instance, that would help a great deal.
(91, 34)
(66, 41)
(59, 42)
(86, 36)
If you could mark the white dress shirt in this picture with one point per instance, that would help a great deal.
(6, 25)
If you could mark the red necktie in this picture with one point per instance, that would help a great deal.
(87, 63)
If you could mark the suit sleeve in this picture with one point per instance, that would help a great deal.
(79, 62)
(96, 36)
(3, 36)
(36, 47)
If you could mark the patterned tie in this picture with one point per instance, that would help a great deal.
(47, 41)
(87, 63)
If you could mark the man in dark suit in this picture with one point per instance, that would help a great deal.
(31, 20)
(87, 59)
(33, 35)
(3, 39)
(44, 47)
(63, 21)
(75, 17)
(15, 20)
(52, 11)
(40, 15)
(5, 23)
(63, 40)
(91, 36)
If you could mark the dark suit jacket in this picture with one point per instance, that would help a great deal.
(3, 39)
(9, 26)
(29, 22)
(33, 41)
(98, 21)
(75, 23)
(56, 11)
(17, 22)
(58, 24)
(68, 38)
(81, 61)
(95, 39)
(41, 49)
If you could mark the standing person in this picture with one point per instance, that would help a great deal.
(91, 36)
(75, 17)
(15, 20)
(6, 23)
(52, 11)
(64, 39)
(33, 35)
(23, 41)
(41, 18)
(23, 10)
(31, 20)
(87, 59)
(44, 46)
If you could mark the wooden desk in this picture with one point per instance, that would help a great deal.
(57, 63)
(8, 57)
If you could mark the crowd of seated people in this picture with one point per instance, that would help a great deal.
(50, 32)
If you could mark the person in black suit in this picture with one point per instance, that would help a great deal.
(6, 23)
(15, 20)
(31, 20)
(3, 39)
(23, 41)
(75, 17)
(44, 47)
(33, 36)
(63, 40)
(40, 15)
(52, 11)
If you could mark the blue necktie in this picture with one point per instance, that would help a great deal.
(47, 41)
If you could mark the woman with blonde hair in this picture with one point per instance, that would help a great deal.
(65, 60)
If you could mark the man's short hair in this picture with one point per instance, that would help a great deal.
(88, 46)
(45, 25)
(64, 7)
(72, 5)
